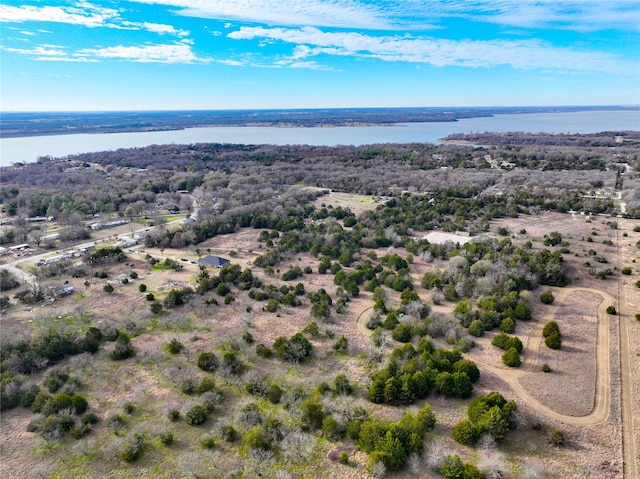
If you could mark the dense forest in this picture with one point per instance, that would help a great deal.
(229, 179)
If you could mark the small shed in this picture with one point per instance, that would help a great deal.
(215, 261)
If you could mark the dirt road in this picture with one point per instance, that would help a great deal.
(628, 305)
(602, 402)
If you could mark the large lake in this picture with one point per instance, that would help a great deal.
(14, 150)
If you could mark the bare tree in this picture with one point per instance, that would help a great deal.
(259, 462)
(377, 470)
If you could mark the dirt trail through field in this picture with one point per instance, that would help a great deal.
(628, 437)
(602, 402)
(628, 305)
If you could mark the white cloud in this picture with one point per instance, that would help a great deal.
(164, 29)
(89, 16)
(55, 53)
(83, 14)
(175, 53)
(525, 54)
(326, 13)
(178, 53)
(232, 63)
(43, 50)
(580, 15)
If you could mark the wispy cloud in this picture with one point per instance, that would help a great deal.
(145, 54)
(175, 53)
(525, 54)
(579, 15)
(51, 53)
(164, 29)
(84, 14)
(325, 13)
(87, 15)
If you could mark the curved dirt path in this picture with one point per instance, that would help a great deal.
(602, 396)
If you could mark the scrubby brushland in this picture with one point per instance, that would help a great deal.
(339, 337)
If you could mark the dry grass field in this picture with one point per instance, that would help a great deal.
(151, 379)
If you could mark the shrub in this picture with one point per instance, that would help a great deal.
(247, 337)
(150, 297)
(207, 384)
(545, 368)
(626, 270)
(196, 415)
(505, 342)
(452, 467)
(557, 438)
(79, 404)
(78, 432)
(107, 288)
(550, 328)
(342, 385)
(611, 310)
(133, 449)
(341, 344)
(295, 349)
(469, 368)
(507, 325)
(312, 413)
(174, 346)
(553, 341)
(344, 455)
(229, 433)
(208, 362)
(166, 438)
(466, 433)
(255, 438)
(263, 351)
(123, 348)
(547, 297)
(89, 418)
(208, 443)
(274, 394)
(55, 380)
(156, 307)
(402, 333)
(173, 415)
(142, 287)
(511, 358)
(476, 328)
(293, 273)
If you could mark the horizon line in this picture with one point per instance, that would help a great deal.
(161, 110)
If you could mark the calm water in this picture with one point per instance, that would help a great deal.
(13, 150)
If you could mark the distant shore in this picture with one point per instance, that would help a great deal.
(31, 124)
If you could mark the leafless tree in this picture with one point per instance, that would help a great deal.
(259, 462)
(377, 470)
(414, 463)
(493, 464)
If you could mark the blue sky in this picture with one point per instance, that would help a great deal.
(254, 54)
